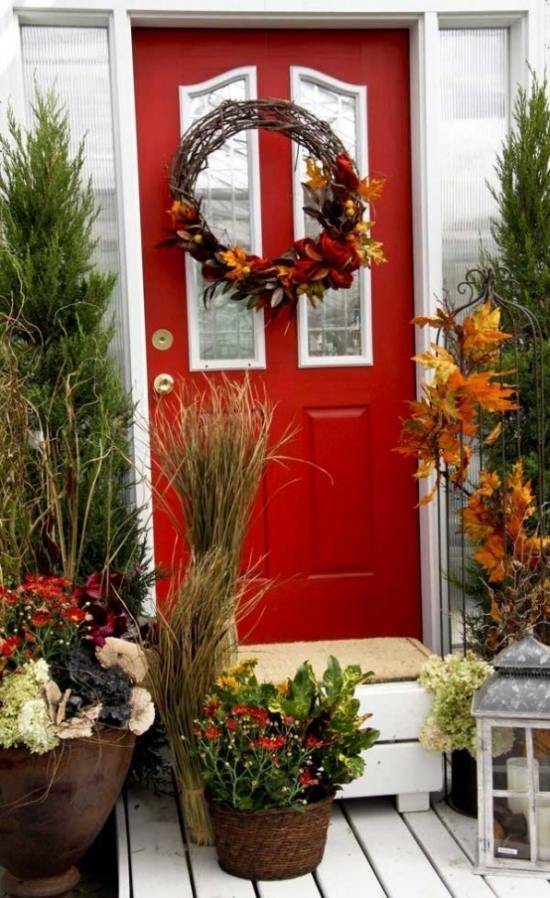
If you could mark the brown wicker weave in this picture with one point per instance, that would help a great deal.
(278, 843)
(211, 131)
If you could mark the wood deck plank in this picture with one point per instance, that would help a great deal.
(211, 881)
(448, 858)
(518, 887)
(209, 878)
(157, 850)
(345, 871)
(464, 829)
(397, 860)
(123, 858)
(301, 887)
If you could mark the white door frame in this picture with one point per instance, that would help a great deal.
(424, 19)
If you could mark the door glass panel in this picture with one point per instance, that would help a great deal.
(225, 334)
(336, 331)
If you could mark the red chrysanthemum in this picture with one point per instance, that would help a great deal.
(212, 732)
(74, 615)
(41, 617)
(9, 646)
(306, 778)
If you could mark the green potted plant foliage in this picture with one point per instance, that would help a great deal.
(273, 758)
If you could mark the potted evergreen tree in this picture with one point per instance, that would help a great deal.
(71, 547)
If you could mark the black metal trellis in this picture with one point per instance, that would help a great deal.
(527, 347)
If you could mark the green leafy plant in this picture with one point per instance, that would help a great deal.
(266, 746)
(452, 681)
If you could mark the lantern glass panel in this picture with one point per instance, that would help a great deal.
(511, 831)
(541, 753)
(509, 757)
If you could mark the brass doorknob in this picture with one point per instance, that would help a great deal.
(163, 384)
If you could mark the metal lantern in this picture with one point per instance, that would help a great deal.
(512, 711)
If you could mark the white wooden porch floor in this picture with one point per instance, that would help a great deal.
(372, 852)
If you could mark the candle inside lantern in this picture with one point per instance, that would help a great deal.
(543, 826)
(517, 775)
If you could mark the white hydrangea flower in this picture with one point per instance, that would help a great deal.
(41, 672)
(17, 689)
(35, 727)
(143, 711)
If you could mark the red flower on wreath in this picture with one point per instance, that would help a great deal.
(328, 258)
(183, 213)
(345, 174)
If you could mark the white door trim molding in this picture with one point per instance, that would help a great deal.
(525, 18)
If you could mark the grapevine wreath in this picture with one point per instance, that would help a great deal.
(335, 197)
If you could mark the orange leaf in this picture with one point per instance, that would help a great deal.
(370, 189)
(316, 176)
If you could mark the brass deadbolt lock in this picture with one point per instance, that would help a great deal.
(163, 384)
(162, 339)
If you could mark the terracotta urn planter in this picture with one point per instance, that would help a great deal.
(277, 843)
(52, 806)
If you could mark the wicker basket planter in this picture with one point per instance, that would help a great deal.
(278, 843)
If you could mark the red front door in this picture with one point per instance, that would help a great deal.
(339, 533)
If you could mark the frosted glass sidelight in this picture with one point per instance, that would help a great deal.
(226, 334)
(75, 63)
(474, 122)
(336, 331)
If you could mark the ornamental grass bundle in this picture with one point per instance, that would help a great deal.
(183, 658)
(211, 445)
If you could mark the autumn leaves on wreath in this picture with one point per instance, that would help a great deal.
(336, 198)
(463, 409)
